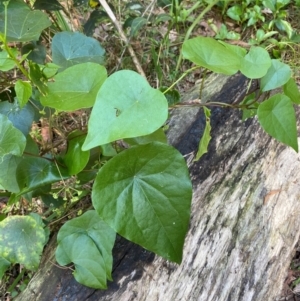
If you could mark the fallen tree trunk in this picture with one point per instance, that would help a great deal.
(244, 225)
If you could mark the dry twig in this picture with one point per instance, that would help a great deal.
(123, 37)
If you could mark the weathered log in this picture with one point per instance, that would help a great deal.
(244, 225)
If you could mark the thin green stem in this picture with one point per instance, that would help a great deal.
(191, 28)
(202, 83)
(195, 6)
(180, 78)
(198, 104)
(7, 48)
(14, 284)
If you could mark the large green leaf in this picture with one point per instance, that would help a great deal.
(75, 88)
(21, 118)
(87, 242)
(256, 63)
(75, 158)
(21, 241)
(277, 117)
(215, 56)
(23, 24)
(72, 48)
(12, 141)
(144, 194)
(277, 75)
(33, 173)
(126, 106)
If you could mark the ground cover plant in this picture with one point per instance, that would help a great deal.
(74, 124)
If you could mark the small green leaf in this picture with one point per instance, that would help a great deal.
(136, 25)
(35, 52)
(235, 12)
(37, 76)
(21, 241)
(72, 48)
(256, 63)
(33, 173)
(107, 150)
(97, 16)
(276, 115)
(75, 158)
(47, 5)
(291, 90)
(50, 70)
(204, 141)
(23, 92)
(126, 107)
(209, 53)
(75, 88)
(23, 24)
(12, 141)
(172, 96)
(277, 75)
(144, 193)
(251, 109)
(21, 118)
(6, 63)
(87, 242)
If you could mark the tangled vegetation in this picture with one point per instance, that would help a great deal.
(76, 120)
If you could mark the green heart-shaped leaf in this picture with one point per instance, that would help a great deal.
(126, 106)
(72, 48)
(256, 63)
(75, 88)
(215, 56)
(87, 242)
(75, 158)
(144, 194)
(277, 75)
(21, 241)
(23, 23)
(277, 117)
(33, 173)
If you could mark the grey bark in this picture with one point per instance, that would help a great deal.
(244, 224)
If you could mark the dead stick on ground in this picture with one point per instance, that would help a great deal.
(123, 36)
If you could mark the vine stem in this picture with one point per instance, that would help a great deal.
(180, 78)
(123, 36)
(6, 47)
(16, 281)
(197, 103)
(191, 28)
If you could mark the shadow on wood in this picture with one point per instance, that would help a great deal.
(244, 224)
